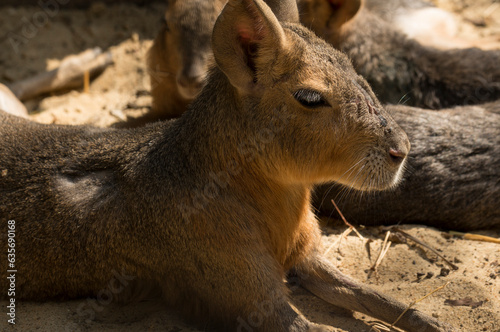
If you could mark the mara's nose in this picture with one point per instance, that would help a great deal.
(190, 85)
(195, 82)
(398, 144)
(397, 156)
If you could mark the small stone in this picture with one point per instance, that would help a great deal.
(429, 275)
(444, 272)
(117, 113)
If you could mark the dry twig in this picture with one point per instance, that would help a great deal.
(475, 237)
(383, 251)
(414, 239)
(345, 221)
(415, 302)
(70, 74)
(343, 235)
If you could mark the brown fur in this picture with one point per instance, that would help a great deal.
(400, 69)
(453, 174)
(213, 206)
(181, 55)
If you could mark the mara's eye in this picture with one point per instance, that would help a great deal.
(310, 98)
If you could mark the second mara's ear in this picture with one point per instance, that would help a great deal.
(343, 11)
(246, 31)
(285, 10)
(328, 15)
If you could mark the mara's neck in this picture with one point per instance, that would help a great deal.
(212, 136)
(205, 150)
(287, 222)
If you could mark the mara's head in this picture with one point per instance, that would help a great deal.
(309, 115)
(187, 34)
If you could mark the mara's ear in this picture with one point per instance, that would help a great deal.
(342, 11)
(285, 10)
(328, 15)
(243, 32)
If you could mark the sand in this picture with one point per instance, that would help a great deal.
(407, 272)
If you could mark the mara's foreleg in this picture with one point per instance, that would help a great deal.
(325, 281)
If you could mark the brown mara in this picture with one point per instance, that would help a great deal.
(87, 201)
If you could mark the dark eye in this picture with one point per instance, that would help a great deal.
(310, 98)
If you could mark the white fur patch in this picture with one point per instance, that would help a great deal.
(85, 190)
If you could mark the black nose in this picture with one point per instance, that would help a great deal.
(397, 156)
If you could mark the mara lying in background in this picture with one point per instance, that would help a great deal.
(399, 69)
(180, 56)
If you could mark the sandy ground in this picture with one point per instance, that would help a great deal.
(408, 271)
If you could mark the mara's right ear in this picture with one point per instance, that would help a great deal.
(329, 15)
(343, 11)
(246, 32)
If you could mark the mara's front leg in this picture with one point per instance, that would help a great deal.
(325, 281)
(235, 291)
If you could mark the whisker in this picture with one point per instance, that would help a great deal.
(362, 159)
(350, 186)
(403, 97)
(368, 175)
(332, 186)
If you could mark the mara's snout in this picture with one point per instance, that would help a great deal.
(393, 159)
(397, 155)
(381, 166)
(190, 84)
(378, 160)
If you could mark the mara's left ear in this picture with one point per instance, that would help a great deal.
(246, 31)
